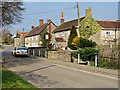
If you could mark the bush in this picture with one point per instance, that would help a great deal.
(86, 54)
(73, 34)
(83, 43)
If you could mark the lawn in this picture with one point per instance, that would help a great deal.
(10, 80)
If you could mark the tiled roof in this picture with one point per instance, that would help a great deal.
(37, 30)
(108, 24)
(59, 39)
(104, 24)
(67, 25)
(18, 36)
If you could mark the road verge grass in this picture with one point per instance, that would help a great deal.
(11, 80)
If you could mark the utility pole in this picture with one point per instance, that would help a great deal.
(78, 27)
(23, 38)
(78, 21)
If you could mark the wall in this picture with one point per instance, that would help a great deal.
(16, 42)
(32, 41)
(63, 55)
(64, 34)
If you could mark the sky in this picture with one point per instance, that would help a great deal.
(52, 10)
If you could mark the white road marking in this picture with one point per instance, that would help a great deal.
(89, 72)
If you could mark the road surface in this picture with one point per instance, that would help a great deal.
(44, 74)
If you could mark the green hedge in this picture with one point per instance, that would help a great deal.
(86, 54)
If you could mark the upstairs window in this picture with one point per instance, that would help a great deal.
(62, 33)
(108, 33)
(57, 34)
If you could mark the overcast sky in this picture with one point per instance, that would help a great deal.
(52, 10)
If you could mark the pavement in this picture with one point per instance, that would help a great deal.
(110, 72)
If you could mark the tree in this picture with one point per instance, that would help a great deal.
(73, 34)
(44, 42)
(83, 42)
(11, 12)
(6, 36)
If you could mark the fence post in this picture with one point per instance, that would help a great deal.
(39, 53)
(78, 58)
(33, 52)
(95, 60)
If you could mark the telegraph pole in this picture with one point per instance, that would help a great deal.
(78, 21)
(23, 38)
(78, 29)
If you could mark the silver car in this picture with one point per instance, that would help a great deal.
(20, 51)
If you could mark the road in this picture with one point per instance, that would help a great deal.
(44, 74)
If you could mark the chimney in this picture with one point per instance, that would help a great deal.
(88, 11)
(62, 19)
(48, 21)
(32, 27)
(41, 22)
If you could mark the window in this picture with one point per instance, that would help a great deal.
(68, 33)
(62, 33)
(32, 38)
(57, 34)
(36, 37)
(108, 33)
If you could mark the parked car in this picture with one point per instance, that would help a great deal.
(20, 51)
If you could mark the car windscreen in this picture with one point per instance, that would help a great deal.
(21, 48)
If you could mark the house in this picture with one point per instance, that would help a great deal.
(19, 38)
(106, 32)
(32, 39)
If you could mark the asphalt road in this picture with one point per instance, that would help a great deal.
(47, 75)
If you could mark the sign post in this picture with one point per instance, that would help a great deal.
(47, 39)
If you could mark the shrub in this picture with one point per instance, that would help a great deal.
(86, 54)
(73, 34)
(83, 43)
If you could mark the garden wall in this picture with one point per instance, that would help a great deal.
(63, 55)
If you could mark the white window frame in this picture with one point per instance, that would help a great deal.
(36, 37)
(63, 34)
(57, 34)
(108, 33)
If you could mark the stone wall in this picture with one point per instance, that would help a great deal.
(63, 55)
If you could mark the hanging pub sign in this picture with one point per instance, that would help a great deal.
(47, 36)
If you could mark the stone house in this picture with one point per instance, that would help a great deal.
(19, 39)
(109, 31)
(32, 39)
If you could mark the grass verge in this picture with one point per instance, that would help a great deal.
(11, 80)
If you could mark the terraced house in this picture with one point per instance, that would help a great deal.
(19, 39)
(107, 32)
(32, 39)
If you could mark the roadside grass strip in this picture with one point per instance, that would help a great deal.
(11, 80)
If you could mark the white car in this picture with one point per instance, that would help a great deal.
(20, 51)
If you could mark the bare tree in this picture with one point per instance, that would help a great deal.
(11, 12)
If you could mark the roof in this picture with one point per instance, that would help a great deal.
(37, 30)
(108, 24)
(67, 25)
(18, 36)
(59, 39)
(104, 24)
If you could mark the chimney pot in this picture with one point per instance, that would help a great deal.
(62, 19)
(41, 22)
(32, 27)
(48, 21)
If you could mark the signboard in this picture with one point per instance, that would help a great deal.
(47, 36)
